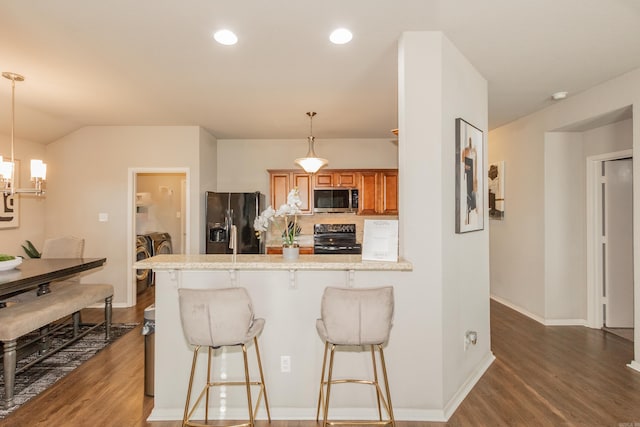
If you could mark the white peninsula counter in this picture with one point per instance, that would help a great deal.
(287, 295)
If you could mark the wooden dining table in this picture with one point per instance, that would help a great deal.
(38, 273)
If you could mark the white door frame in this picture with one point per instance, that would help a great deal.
(131, 220)
(594, 237)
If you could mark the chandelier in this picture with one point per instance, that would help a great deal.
(7, 168)
(311, 163)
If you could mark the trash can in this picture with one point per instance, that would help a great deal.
(148, 330)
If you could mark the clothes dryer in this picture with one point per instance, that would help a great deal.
(160, 243)
(144, 277)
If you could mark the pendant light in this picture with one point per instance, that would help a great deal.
(311, 163)
(8, 169)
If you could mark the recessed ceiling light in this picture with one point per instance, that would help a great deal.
(341, 36)
(559, 95)
(225, 37)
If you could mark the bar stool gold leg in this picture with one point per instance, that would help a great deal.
(326, 403)
(206, 408)
(375, 379)
(248, 383)
(193, 369)
(386, 386)
(263, 385)
(321, 392)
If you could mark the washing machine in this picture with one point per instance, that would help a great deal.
(144, 277)
(160, 243)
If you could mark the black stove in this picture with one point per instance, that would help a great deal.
(335, 239)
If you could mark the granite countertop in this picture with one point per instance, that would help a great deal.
(269, 262)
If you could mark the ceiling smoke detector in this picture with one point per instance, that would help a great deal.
(559, 95)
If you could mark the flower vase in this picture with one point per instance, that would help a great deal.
(290, 252)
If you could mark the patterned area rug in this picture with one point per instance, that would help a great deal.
(45, 373)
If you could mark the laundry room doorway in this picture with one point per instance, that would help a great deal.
(160, 206)
(159, 219)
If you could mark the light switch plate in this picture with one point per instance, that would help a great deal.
(103, 217)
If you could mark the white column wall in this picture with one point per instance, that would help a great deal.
(436, 86)
(465, 283)
(420, 198)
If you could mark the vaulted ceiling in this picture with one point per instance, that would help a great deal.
(154, 62)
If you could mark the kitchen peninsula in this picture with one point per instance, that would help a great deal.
(287, 295)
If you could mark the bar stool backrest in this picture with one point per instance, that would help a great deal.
(357, 316)
(216, 317)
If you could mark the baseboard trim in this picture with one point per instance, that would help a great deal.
(468, 385)
(565, 322)
(518, 309)
(634, 365)
(541, 320)
(304, 414)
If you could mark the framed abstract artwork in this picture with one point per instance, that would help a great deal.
(9, 205)
(469, 177)
(495, 177)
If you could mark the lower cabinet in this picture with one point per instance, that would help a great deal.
(277, 250)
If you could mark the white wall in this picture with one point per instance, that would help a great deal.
(207, 181)
(89, 174)
(450, 280)
(565, 231)
(518, 243)
(565, 240)
(242, 164)
(466, 256)
(32, 208)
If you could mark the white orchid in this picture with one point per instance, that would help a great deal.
(293, 200)
(290, 229)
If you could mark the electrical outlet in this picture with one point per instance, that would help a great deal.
(470, 337)
(285, 363)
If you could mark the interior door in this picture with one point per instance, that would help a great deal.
(619, 245)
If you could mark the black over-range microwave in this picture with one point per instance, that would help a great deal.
(335, 200)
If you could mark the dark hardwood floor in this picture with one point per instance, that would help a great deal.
(542, 376)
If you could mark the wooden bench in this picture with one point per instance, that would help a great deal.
(34, 313)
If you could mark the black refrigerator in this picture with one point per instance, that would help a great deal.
(227, 209)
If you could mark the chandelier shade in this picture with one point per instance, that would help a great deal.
(311, 163)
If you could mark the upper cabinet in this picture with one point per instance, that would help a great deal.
(377, 188)
(282, 181)
(378, 192)
(335, 179)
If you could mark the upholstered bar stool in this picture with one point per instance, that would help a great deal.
(216, 318)
(355, 317)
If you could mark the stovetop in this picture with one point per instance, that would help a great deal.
(335, 239)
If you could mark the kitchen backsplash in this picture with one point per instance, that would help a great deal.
(306, 222)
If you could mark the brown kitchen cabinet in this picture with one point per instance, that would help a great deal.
(335, 179)
(282, 181)
(378, 192)
(378, 188)
(277, 250)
